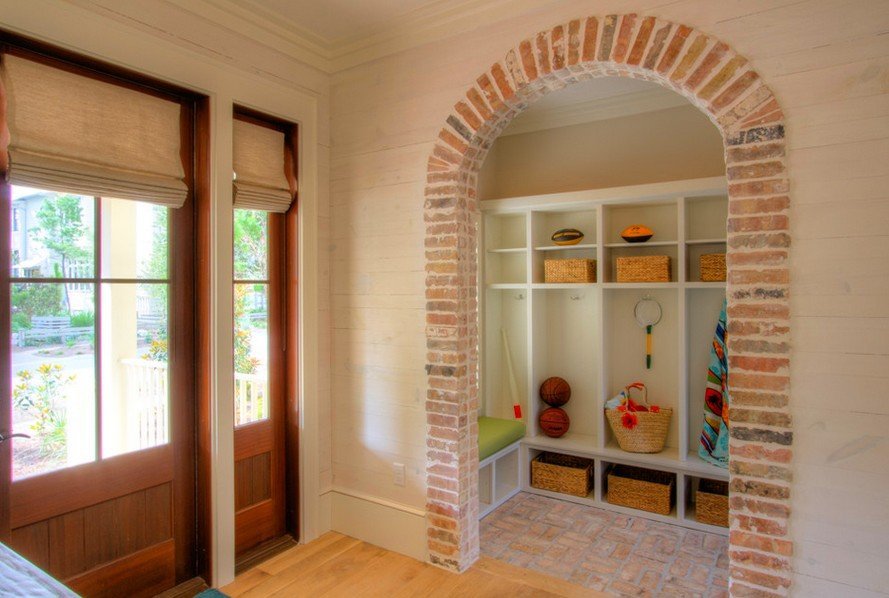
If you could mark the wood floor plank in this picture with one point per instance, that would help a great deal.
(335, 566)
(535, 579)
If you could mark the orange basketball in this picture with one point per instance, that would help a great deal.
(554, 422)
(555, 391)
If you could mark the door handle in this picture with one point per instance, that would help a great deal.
(4, 437)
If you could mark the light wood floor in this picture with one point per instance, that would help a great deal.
(337, 565)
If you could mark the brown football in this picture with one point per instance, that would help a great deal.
(555, 391)
(554, 422)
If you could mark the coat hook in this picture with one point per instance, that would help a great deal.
(519, 296)
(575, 297)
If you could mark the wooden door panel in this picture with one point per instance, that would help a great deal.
(253, 480)
(143, 573)
(94, 537)
(256, 524)
(63, 491)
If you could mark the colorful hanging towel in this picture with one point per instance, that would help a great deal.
(714, 435)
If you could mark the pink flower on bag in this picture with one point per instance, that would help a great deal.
(629, 420)
(655, 409)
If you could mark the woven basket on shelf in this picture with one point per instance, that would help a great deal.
(643, 489)
(569, 270)
(643, 268)
(562, 473)
(713, 267)
(711, 502)
(650, 431)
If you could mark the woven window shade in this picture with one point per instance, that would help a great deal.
(260, 181)
(71, 133)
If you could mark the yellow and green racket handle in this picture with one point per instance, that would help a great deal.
(648, 347)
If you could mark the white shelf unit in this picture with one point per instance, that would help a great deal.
(586, 332)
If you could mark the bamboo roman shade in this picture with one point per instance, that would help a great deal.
(72, 133)
(260, 181)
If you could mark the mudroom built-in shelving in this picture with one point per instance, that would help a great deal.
(586, 332)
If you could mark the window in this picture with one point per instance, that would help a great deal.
(89, 312)
(251, 292)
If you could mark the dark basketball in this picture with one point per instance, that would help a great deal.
(554, 422)
(555, 391)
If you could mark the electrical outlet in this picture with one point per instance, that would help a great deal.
(398, 474)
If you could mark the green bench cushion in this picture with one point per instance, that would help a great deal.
(496, 434)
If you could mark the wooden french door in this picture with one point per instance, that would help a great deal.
(115, 517)
(260, 339)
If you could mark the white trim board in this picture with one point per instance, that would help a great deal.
(390, 525)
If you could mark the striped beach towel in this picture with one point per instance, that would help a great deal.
(714, 435)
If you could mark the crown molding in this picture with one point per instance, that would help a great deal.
(432, 22)
(617, 106)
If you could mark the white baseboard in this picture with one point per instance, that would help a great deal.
(393, 526)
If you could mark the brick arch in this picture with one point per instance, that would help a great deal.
(723, 85)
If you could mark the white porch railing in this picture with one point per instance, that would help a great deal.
(251, 398)
(148, 400)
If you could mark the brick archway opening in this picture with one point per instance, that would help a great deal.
(723, 85)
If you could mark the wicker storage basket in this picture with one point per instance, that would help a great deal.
(562, 473)
(569, 270)
(650, 431)
(713, 267)
(711, 502)
(643, 489)
(643, 268)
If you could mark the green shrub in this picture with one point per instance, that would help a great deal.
(83, 319)
(20, 322)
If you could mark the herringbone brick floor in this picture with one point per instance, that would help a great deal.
(604, 550)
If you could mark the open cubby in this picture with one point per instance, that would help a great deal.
(586, 332)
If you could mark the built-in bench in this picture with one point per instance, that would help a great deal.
(49, 327)
(498, 467)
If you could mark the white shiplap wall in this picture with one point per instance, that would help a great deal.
(828, 63)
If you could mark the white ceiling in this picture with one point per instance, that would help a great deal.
(598, 99)
(337, 21)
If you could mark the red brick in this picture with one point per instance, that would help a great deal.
(677, 42)
(756, 488)
(691, 55)
(487, 87)
(760, 507)
(760, 470)
(478, 103)
(771, 365)
(528, 61)
(542, 46)
(657, 46)
(759, 382)
(772, 276)
(734, 91)
(765, 580)
(762, 543)
(759, 170)
(445, 549)
(748, 398)
(707, 65)
(737, 224)
(573, 42)
(468, 116)
(759, 241)
(502, 81)
(624, 35)
(641, 42)
(591, 29)
(558, 39)
(757, 258)
(759, 312)
(758, 205)
(608, 26)
(720, 78)
(446, 154)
